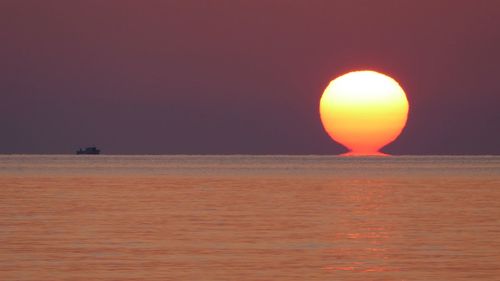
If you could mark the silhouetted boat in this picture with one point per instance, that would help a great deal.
(88, 150)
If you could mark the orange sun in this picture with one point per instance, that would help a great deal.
(364, 111)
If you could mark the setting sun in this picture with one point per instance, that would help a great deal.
(364, 111)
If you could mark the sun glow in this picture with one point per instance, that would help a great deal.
(364, 111)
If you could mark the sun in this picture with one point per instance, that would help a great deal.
(364, 111)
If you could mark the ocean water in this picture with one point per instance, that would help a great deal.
(249, 218)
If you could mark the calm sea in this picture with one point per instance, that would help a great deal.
(249, 218)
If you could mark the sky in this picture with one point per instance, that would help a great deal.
(240, 76)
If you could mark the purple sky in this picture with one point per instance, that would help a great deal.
(219, 77)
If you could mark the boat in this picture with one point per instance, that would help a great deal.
(88, 150)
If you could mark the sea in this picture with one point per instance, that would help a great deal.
(241, 217)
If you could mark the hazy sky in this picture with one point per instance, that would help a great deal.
(218, 77)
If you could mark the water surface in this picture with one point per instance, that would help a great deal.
(249, 218)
